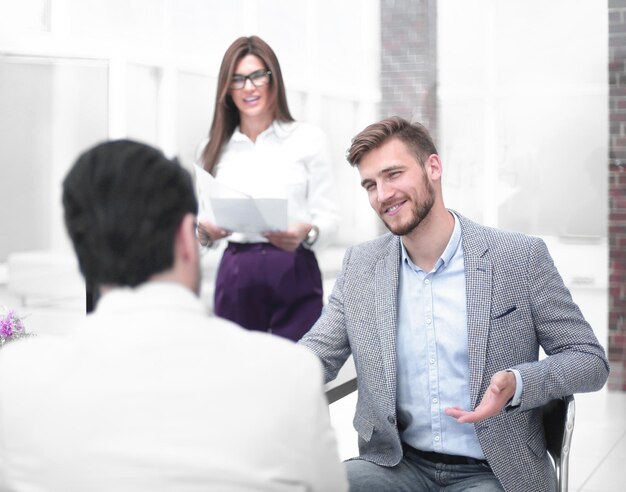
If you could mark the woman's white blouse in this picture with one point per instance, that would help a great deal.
(287, 160)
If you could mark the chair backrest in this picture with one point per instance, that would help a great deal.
(558, 422)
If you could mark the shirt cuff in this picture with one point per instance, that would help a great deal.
(517, 397)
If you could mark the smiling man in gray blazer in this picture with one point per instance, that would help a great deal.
(445, 318)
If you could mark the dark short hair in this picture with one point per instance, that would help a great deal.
(414, 135)
(123, 202)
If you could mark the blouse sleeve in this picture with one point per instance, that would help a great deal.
(321, 191)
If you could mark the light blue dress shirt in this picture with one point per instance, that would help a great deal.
(432, 354)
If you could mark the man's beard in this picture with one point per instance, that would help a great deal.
(419, 212)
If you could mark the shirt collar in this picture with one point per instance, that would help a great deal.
(153, 295)
(448, 253)
(278, 128)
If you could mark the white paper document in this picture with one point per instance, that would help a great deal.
(237, 212)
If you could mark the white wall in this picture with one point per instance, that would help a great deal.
(523, 113)
(523, 128)
(521, 97)
(75, 72)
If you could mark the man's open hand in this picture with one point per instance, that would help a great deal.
(498, 394)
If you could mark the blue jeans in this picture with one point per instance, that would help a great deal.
(415, 474)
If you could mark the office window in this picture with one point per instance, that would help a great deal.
(50, 110)
(142, 86)
(195, 101)
(31, 15)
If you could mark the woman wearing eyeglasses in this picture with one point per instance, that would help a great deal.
(271, 281)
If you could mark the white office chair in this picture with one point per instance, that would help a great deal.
(558, 422)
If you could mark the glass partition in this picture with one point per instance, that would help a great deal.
(52, 108)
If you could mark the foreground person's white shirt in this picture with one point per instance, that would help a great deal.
(150, 394)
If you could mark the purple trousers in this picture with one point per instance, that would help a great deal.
(262, 287)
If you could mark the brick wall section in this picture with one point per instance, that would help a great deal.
(617, 194)
(408, 64)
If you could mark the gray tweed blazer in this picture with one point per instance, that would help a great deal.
(516, 302)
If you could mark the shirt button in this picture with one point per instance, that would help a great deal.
(427, 281)
(391, 419)
(435, 400)
(437, 438)
(428, 321)
(432, 361)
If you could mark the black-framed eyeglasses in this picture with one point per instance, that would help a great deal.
(258, 79)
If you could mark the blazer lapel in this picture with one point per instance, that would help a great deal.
(478, 286)
(386, 299)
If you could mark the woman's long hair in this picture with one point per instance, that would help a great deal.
(226, 115)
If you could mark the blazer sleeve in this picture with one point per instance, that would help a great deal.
(328, 338)
(575, 362)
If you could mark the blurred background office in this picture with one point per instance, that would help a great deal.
(525, 98)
